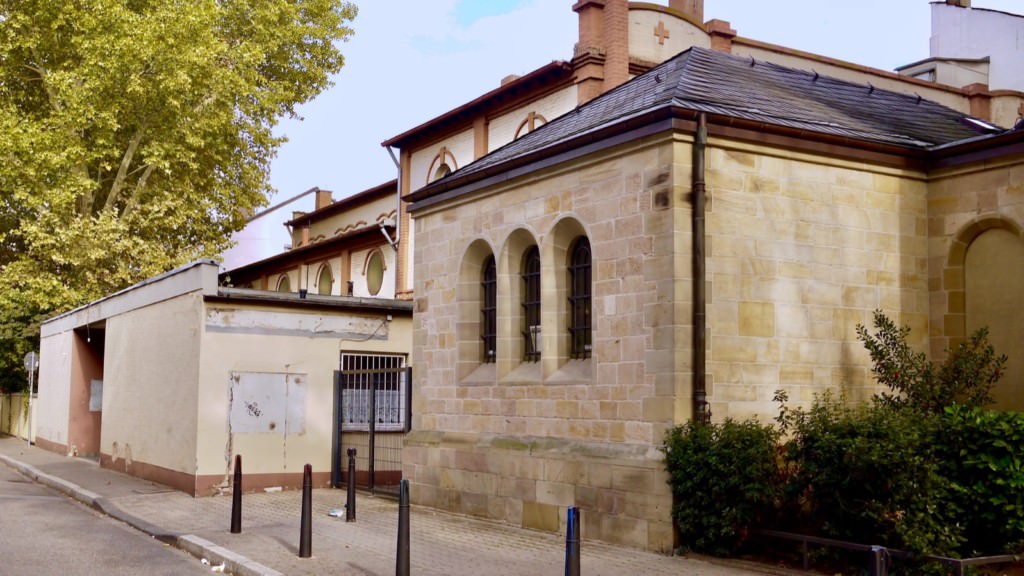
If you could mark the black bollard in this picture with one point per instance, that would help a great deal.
(236, 497)
(306, 535)
(350, 502)
(572, 542)
(402, 563)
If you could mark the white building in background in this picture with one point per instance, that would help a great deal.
(265, 234)
(973, 46)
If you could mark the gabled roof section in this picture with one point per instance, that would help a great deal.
(309, 251)
(381, 190)
(544, 79)
(727, 86)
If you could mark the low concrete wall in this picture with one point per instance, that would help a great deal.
(14, 415)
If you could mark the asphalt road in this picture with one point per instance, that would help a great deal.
(44, 533)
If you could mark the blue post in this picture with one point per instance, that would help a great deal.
(402, 563)
(572, 542)
(306, 528)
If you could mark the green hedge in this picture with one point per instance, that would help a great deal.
(923, 467)
(724, 477)
(982, 454)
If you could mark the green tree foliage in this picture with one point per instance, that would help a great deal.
(965, 377)
(135, 135)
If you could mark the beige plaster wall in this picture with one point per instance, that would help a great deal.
(966, 205)
(151, 366)
(801, 250)
(357, 272)
(53, 402)
(1006, 109)
(369, 214)
(460, 145)
(519, 442)
(284, 341)
(646, 46)
(502, 129)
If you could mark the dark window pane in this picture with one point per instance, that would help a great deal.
(531, 304)
(579, 299)
(489, 310)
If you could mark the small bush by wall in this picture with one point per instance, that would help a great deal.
(868, 474)
(981, 452)
(724, 477)
(924, 467)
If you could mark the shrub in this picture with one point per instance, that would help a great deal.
(868, 474)
(724, 479)
(965, 377)
(982, 453)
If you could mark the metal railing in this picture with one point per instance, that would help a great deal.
(879, 556)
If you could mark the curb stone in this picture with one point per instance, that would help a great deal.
(198, 547)
(233, 563)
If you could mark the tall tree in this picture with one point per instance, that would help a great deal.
(136, 134)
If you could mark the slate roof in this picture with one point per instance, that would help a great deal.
(721, 84)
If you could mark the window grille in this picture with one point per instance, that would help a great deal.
(489, 310)
(384, 376)
(579, 299)
(531, 305)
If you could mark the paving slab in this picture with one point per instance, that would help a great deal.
(441, 543)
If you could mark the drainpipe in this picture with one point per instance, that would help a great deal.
(398, 207)
(700, 403)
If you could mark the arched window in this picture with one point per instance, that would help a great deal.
(374, 272)
(579, 299)
(442, 171)
(529, 124)
(284, 284)
(325, 281)
(442, 165)
(489, 310)
(531, 304)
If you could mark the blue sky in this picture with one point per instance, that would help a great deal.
(410, 61)
(469, 11)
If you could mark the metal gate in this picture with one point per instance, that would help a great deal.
(372, 415)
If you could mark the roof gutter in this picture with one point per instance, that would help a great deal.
(398, 206)
(701, 413)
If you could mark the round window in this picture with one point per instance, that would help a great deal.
(375, 272)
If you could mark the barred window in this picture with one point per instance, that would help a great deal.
(373, 385)
(579, 299)
(531, 305)
(489, 310)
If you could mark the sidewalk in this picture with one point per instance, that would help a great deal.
(441, 544)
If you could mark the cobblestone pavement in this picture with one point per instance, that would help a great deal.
(441, 544)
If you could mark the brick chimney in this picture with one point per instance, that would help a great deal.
(323, 199)
(601, 58)
(693, 8)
